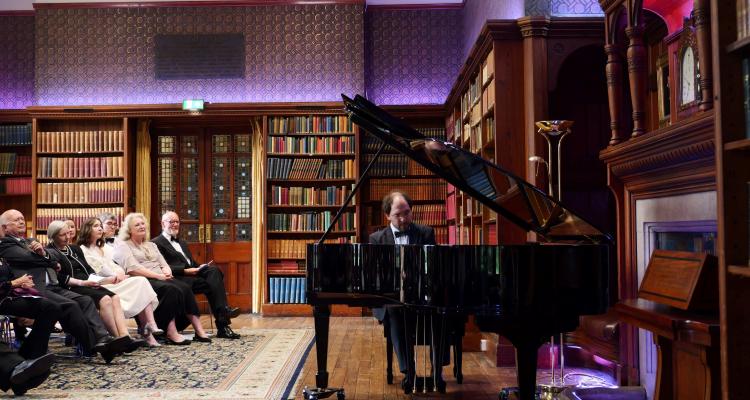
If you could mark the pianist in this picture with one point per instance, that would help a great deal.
(401, 230)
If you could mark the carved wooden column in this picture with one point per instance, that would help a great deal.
(637, 77)
(702, 20)
(614, 90)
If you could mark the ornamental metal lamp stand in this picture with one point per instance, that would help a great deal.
(554, 132)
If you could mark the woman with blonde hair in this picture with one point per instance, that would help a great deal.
(137, 297)
(140, 257)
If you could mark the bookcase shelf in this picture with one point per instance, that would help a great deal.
(742, 144)
(301, 202)
(83, 145)
(739, 46)
(16, 162)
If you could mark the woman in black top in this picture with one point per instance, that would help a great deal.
(74, 275)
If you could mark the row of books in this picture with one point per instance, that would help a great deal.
(417, 189)
(11, 163)
(80, 141)
(286, 267)
(309, 168)
(425, 214)
(13, 135)
(79, 215)
(394, 165)
(15, 186)
(291, 249)
(743, 19)
(310, 124)
(309, 196)
(311, 145)
(80, 167)
(287, 290)
(310, 222)
(80, 192)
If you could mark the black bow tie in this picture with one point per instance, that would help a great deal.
(399, 234)
(109, 240)
(173, 238)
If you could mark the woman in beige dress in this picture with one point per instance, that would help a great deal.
(135, 293)
(140, 257)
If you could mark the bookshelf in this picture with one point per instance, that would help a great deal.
(79, 169)
(471, 125)
(15, 162)
(311, 166)
(731, 66)
(395, 171)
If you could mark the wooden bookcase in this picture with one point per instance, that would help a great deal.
(395, 171)
(731, 45)
(15, 162)
(311, 166)
(80, 168)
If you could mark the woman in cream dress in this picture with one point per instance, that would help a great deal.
(136, 295)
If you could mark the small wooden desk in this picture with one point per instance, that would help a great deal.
(688, 349)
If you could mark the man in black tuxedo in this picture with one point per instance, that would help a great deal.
(401, 230)
(20, 374)
(78, 314)
(203, 278)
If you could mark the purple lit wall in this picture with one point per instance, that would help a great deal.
(293, 53)
(477, 12)
(16, 61)
(411, 56)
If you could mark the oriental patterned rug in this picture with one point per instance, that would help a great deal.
(263, 364)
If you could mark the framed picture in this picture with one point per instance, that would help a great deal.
(662, 89)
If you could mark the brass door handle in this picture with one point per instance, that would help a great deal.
(200, 233)
(208, 233)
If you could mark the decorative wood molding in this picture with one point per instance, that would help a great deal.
(222, 3)
(175, 110)
(684, 143)
(534, 26)
(417, 111)
(15, 115)
(16, 13)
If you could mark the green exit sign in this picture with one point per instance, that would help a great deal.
(192, 105)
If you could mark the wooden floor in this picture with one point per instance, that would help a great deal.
(356, 362)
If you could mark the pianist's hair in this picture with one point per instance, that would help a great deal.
(388, 200)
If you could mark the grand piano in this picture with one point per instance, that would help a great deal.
(525, 292)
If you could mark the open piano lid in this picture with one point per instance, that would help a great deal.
(500, 190)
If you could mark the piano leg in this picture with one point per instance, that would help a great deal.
(526, 353)
(388, 351)
(322, 315)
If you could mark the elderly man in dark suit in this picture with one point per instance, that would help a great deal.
(401, 230)
(203, 278)
(78, 314)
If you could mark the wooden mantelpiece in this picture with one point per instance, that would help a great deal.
(688, 349)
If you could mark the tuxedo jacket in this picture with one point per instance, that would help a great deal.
(24, 261)
(418, 234)
(176, 261)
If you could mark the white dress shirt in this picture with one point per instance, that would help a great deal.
(399, 240)
(176, 246)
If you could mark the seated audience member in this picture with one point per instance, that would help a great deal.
(78, 315)
(109, 229)
(18, 298)
(137, 297)
(139, 257)
(204, 278)
(75, 273)
(22, 374)
(72, 230)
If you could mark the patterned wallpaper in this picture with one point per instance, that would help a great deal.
(477, 12)
(106, 56)
(411, 56)
(563, 7)
(16, 62)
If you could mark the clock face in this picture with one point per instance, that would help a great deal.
(687, 76)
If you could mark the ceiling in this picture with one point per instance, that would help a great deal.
(21, 5)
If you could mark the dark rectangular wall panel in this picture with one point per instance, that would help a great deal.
(217, 56)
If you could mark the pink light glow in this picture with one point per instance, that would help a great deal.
(672, 11)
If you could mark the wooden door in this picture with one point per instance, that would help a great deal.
(203, 174)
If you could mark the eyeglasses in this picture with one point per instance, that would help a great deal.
(403, 214)
(173, 222)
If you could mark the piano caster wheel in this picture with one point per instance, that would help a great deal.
(315, 394)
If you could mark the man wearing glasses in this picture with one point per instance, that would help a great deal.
(203, 278)
(402, 231)
(109, 228)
